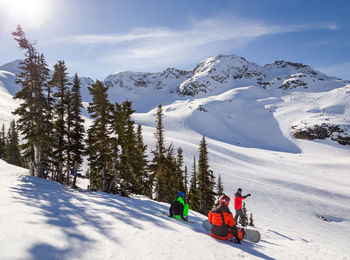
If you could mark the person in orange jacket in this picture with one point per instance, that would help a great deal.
(238, 206)
(222, 221)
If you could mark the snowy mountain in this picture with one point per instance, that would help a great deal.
(251, 115)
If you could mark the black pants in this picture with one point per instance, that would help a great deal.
(239, 213)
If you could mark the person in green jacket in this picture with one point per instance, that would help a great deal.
(178, 208)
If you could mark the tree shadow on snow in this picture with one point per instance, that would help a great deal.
(72, 211)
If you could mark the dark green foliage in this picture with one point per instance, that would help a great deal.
(99, 144)
(219, 187)
(206, 180)
(179, 180)
(32, 109)
(60, 82)
(251, 220)
(193, 193)
(76, 130)
(244, 209)
(12, 151)
(141, 165)
(186, 181)
(166, 168)
(2, 142)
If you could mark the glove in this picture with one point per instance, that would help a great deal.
(248, 195)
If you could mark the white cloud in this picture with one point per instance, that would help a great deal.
(144, 48)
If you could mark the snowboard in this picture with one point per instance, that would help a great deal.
(251, 235)
(179, 219)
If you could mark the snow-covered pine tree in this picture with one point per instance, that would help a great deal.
(33, 102)
(77, 128)
(206, 180)
(61, 83)
(251, 220)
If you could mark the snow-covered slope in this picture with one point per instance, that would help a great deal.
(249, 114)
(43, 220)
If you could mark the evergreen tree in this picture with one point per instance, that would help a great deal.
(2, 142)
(158, 165)
(219, 187)
(127, 140)
(77, 128)
(179, 173)
(47, 124)
(251, 220)
(31, 110)
(141, 165)
(206, 180)
(60, 82)
(186, 181)
(13, 155)
(193, 193)
(99, 143)
(244, 209)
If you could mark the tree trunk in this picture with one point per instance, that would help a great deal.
(68, 175)
(104, 178)
(116, 176)
(75, 174)
(31, 168)
(37, 161)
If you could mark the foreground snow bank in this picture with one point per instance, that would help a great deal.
(41, 219)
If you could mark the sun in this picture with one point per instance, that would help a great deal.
(28, 13)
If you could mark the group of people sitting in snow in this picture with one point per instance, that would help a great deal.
(223, 224)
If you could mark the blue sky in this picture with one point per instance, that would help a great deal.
(100, 37)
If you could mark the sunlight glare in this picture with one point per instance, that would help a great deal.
(29, 13)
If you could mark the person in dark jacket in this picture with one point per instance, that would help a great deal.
(223, 225)
(178, 208)
(238, 205)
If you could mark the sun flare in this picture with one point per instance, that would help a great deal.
(29, 13)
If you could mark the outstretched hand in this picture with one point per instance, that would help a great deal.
(248, 195)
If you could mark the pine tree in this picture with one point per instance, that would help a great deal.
(219, 187)
(13, 155)
(186, 181)
(158, 165)
(193, 193)
(31, 110)
(60, 82)
(77, 128)
(2, 142)
(99, 143)
(244, 209)
(206, 180)
(179, 174)
(47, 124)
(251, 220)
(141, 165)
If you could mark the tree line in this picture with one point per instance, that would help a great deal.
(55, 141)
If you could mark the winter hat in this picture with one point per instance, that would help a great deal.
(224, 199)
(239, 190)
